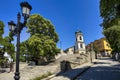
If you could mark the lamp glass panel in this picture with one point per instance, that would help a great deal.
(28, 11)
(12, 27)
(24, 10)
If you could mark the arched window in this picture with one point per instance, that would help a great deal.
(81, 45)
(80, 38)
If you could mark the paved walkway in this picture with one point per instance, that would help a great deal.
(104, 69)
(29, 72)
(72, 74)
(77, 71)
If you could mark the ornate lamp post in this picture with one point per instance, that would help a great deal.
(16, 30)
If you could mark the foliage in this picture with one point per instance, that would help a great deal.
(23, 51)
(1, 33)
(5, 42)
(42, 46)
(1, 41)
(9, 47)
(39, 25)
(114, 40)
(110, 12)
(43, 38)
(1, 29)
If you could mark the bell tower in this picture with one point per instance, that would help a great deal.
(79, 45)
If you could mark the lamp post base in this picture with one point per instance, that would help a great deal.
(17, 77)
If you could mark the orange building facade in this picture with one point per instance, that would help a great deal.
(101, 45)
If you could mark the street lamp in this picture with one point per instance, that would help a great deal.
(16, 29)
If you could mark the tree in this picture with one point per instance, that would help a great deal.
(8, 46)
(113, 36)
(24, 51)
(1, 29)
(1, 33)
(39, 25)
(5, 42)
(43, 38)
(43, 46)
(1, 41)
(110, 12)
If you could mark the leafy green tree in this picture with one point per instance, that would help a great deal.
(113, 37)
(1, 29)
(5, 43)
(42, 46)
(23, 51)
(1, 41)
(110, 12)
(1, 33)
(43, 39)
(9, 47)
(39, 25)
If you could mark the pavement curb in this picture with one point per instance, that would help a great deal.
(83, 67)
(67, 72)
(49, 77)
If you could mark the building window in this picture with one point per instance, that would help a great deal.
(80, 38)
(81, 46)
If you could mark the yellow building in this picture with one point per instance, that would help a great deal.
(102, 46)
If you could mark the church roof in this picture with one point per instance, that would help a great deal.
(78, 32)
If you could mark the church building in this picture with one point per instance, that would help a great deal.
(79, 46)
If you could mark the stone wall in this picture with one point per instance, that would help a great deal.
(76, 59)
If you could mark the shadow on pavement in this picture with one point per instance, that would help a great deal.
(101, 63)
(73, 73)
(2, 71)
(99, 72)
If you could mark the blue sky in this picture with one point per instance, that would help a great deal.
(66, 15)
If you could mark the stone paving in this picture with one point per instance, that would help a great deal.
(104, 69)
(29, 72)
(71, 74)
